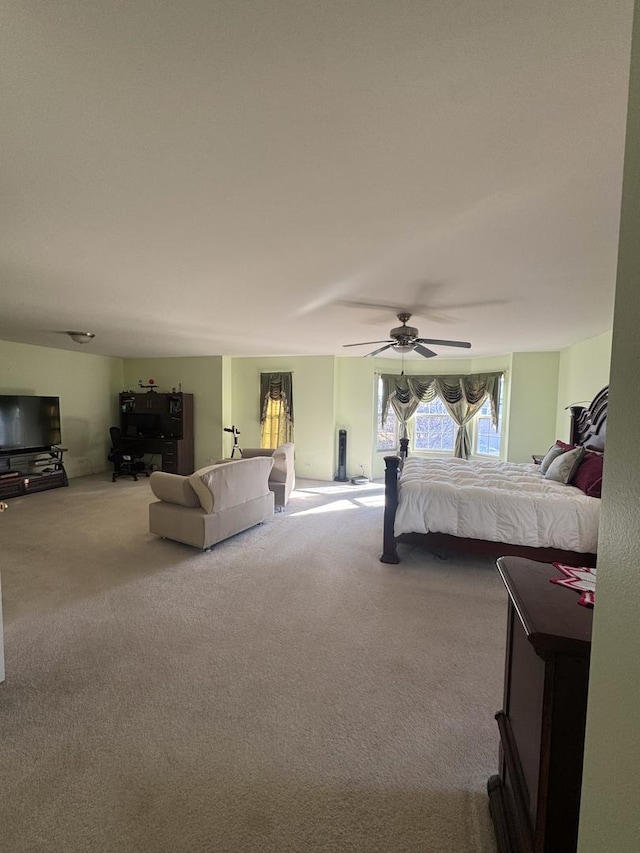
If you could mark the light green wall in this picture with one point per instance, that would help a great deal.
(330, 394)
(355, 412)
(204, 378)
(532, 404)
(313, 401)
(87, 386)
(584, 370)
(227, 401)
(610, 817)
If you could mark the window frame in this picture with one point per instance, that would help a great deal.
(499, 431)
(379, 427)
(441, 416)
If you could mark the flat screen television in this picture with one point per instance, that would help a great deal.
(28, 423)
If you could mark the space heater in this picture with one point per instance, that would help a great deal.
(341, 476)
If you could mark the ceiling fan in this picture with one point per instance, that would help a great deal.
(405, 339)
(424, 303)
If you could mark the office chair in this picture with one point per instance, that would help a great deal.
(127, 460)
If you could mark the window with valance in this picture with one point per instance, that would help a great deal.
(276, 409)
(460, 397)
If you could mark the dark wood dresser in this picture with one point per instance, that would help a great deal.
(535, 799)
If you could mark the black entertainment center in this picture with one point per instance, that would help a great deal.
(31, 458)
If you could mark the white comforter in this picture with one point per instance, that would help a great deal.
(496, 501)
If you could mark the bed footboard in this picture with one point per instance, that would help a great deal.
(389, 552)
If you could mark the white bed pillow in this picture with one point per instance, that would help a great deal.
(565, 466)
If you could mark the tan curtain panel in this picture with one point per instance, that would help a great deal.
(462, 397)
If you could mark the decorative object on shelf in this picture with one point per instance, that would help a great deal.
(175, 405)
(81, 337)
(151, 383)
(235, 432)
(582, 579)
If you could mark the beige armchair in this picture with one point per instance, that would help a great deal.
(282, 479)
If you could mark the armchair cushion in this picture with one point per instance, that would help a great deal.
(174, 489)
(282, 479)
(283, 464)
(227, 484)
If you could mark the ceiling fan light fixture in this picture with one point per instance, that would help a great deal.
(81, 337)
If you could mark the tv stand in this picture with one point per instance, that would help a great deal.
(26, 471)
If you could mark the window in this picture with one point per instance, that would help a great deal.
(433, 431)
(486, 438)
(387, 434)
(276, 409)
(274, 427)
(433, 428)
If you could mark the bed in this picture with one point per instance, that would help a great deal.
(492, 507)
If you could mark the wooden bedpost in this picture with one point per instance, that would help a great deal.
(389, 553)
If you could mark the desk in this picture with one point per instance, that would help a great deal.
(176, 453)
(159, 423)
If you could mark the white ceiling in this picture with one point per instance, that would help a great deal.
(216, 176)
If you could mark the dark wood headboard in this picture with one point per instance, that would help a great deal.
(589, 423)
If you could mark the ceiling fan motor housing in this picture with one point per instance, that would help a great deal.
(404, 332)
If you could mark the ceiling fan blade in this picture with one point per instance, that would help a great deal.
(463, 344)
(427, 353)
(376, 351)
(368, 343)
(419, 305)
(377, 306)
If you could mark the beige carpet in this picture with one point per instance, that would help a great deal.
(286, 692)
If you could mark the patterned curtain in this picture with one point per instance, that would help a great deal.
(462, 397)
(404, 394)
(276, 409)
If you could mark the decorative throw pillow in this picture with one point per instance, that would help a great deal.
(565, 466)
(588, 477)
(552, 453)
(566, 446)
(595, 442)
